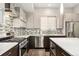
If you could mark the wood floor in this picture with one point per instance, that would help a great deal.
(37, 52)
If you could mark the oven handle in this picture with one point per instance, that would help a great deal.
(21, 46)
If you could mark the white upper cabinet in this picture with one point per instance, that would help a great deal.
(20, 15)
(30, 22)
(15, 10)
(76, 9)
(36, 21)
(59, 22)
(68, 16)
(76, 13)
(18, 23)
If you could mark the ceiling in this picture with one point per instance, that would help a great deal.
(46, 5)
(30, 7)
(54, 5)
(70, 5)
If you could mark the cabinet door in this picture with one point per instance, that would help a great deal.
(31, 42)
(60, 21)
(30, 22)
(48, 23)
(68, 17)
(21, 14)
(46, 43)
(36, 21)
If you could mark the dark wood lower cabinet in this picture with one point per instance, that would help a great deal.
(61, 52)
(31, 41)
(12, 52)
(47, 41)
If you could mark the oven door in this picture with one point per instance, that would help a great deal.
(23, 48)
(24, 51)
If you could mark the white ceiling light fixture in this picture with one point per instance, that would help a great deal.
(61, 9)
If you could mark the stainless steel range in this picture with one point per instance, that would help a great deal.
(21, 41)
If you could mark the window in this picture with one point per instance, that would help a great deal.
(48, 23)
(51, 23)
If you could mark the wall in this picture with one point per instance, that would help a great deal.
(76, 13)
(34, 18)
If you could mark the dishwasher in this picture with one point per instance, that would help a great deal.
(39, 42)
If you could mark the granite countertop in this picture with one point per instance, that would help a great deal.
(4, 36)
(22, 36)
(70, 45)
(47, 35)
(53, 34)
(5, 46)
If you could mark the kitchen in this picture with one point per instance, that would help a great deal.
(39, 29)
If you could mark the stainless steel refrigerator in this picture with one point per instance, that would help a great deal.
(72, 28)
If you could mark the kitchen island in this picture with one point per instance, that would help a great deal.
(8, 48)
(69, 45)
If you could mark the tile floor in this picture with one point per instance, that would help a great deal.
(37, 52)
